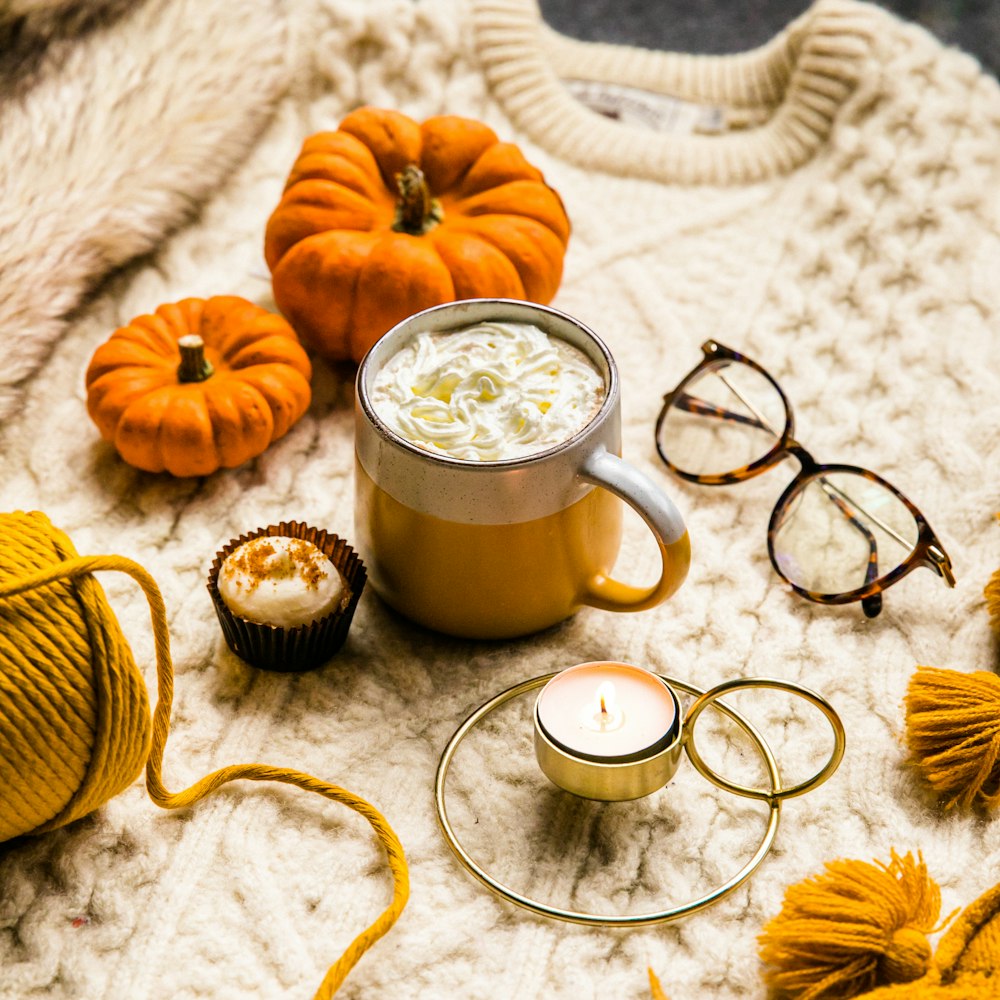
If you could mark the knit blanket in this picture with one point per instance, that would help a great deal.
(142, 147)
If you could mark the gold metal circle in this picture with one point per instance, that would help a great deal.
(776, 793)
(596, 919)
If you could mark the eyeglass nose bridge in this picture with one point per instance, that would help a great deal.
(790, 448)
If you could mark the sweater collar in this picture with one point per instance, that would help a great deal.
(780, 100)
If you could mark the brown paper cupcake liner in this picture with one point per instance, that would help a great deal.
(304, 647)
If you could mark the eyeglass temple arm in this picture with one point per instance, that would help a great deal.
(872, 604)
(692, 404)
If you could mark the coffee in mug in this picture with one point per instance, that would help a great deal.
(487, 392)
(488, 482)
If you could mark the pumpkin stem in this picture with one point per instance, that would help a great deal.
(194, 366)
(416, 211)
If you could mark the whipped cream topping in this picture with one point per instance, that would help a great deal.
(280, 581)
(487, 392)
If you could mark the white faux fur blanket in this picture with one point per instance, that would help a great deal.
(142, 146)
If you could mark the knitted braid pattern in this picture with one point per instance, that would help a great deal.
(912, 171)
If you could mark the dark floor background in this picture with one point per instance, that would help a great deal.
(718, 26)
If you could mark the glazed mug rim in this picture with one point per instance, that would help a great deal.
(366, 374)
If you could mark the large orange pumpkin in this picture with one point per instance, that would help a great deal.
(198, 385)
(385, 217)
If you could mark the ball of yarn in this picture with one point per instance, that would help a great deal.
(856, 926)
(74, 715)
(953, 733)
(75, 727)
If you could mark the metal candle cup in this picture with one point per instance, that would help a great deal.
(607, 730)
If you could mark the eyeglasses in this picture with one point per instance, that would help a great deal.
(838, 533)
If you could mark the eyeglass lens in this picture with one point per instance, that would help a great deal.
(722, 420)
(840, 531)
(837, 531)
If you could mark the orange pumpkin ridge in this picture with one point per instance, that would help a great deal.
(199, 385)
(385, 217)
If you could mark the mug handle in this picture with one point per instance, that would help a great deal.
(604, 469)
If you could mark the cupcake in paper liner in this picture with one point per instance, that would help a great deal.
(286, 594)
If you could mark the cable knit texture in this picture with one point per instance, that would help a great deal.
(826, 204)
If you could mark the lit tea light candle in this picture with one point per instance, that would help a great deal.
(607, 730)
(604, 712)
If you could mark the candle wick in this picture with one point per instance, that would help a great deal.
(604, 706)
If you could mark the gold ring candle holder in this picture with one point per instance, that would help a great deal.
(638, 772)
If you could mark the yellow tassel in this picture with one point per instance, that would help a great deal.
(655, 988)
(852, 928)
(953, 733)
(992, 594)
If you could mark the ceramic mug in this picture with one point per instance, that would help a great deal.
(504, 548)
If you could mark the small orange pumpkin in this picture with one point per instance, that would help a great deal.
(385, 217)
(198, 385)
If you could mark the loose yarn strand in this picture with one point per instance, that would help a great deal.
(82, 566)
(655, 989)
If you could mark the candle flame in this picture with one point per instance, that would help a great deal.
(602, 714)
(606, 696)
(606, 703)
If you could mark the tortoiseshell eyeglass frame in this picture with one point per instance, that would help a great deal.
(928, 550)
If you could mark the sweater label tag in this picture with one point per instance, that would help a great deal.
(636, 106)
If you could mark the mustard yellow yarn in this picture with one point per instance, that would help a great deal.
(953, 734)
(852, 928)
(656, 990)
(74, 716)
(966, 965)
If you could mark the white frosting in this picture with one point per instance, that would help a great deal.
(280, 581)
(487, 392)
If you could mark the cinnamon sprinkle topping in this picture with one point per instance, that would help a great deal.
(254, 560)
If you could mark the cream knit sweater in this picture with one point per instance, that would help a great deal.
(826, 204)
